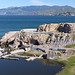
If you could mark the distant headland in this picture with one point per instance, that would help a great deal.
(39, 10)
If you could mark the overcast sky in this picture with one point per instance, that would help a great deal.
(18, 3)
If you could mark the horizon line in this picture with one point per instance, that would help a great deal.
(34, 5)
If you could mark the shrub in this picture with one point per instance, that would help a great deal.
(58, 54)
(70, 46)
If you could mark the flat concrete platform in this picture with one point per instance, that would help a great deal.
(29, 30)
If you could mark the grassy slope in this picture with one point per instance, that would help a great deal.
(70, 46)
(69, 68)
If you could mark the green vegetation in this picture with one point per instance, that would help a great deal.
(61, 37)
(4, 45)
(39, 10)
(70, 46)
(47, 39)
(73, 37)
(58, 54)
(51, 62)
(22, 33)
(28, 54)
(69, 69)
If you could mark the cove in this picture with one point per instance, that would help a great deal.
(36, 67)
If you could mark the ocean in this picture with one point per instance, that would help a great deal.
(36, 67)
(16, 23)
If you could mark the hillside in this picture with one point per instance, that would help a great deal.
(39, 10)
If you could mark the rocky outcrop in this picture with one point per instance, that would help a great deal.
(47, 28)
(66, 27)
(9, 36)
(24, 37)
(30, 38)
(60, 27)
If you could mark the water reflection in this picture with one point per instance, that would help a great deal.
(51, 62)
(36, 67)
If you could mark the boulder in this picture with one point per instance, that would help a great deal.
(10, 36)
(47, 28)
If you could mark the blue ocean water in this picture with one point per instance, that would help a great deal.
(15, 23)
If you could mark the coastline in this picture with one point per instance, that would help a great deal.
(51, 44)
(69, 64)
(69, 68)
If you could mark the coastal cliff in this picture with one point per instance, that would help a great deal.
(53, 33)
(49, 41)
(23, 38)
(60, 27)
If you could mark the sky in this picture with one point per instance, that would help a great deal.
(18, 3)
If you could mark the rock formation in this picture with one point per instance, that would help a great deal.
(23, 38)
(60, 27)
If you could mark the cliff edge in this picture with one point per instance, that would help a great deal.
(50, 33)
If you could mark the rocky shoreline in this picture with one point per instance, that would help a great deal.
(44, 38)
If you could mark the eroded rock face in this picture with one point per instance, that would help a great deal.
(65, 27)
(33, 38)
(22, 38)
(61, 27)
(47, 28)
(9, 36)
